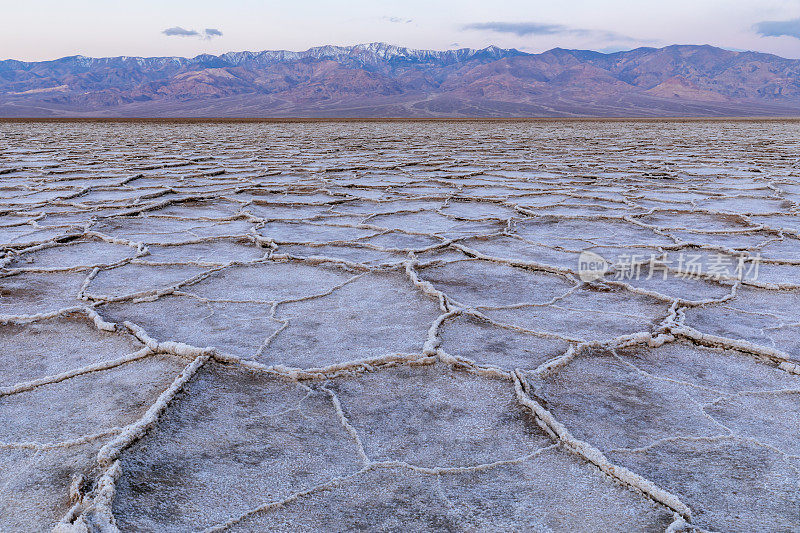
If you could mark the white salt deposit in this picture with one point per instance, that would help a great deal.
(376, 326)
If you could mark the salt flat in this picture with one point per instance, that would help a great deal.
(417, 326)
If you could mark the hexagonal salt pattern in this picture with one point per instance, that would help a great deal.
(378, 326)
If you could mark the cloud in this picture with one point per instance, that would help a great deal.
(778, 28)
(523, 29)
(177, 31)
(518, 28)
(180, 32)
(398, 20)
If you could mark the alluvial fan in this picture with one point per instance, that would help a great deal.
(554, 326)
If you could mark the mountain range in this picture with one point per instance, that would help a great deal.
(381, 80)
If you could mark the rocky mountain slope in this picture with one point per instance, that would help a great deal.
(381, 80)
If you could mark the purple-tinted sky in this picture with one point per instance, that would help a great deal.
(47, 29)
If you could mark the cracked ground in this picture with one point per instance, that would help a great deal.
(383, 326)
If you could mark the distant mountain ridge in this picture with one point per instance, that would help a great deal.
(371, 53)
(382, 80)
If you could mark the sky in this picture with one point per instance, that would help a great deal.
(36, 30)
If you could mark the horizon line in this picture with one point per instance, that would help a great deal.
(620, 118)
(491, 46)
